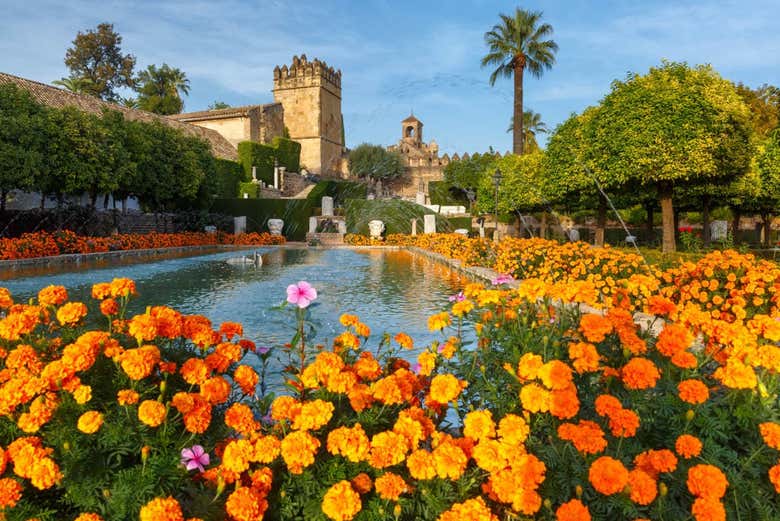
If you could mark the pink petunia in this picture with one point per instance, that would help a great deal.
(195, 458)
(502, 279)
(301, 294)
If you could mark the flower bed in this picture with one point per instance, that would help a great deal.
(550, 415)
(45, 244)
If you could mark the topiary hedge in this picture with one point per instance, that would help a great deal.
(442, 193)
(288, 152)
(229, 175)
(395, 213)
(258, 155)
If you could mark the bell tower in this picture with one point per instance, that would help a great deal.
(411, 131)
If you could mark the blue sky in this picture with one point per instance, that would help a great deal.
(402, 55)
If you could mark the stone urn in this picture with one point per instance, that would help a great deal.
(275, 226)
(375, 228)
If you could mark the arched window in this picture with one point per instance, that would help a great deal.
(409, 131)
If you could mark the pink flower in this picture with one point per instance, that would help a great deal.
(502, 279)
(301, 294)
(195, 458)
(460, 297)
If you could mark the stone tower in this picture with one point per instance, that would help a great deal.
(310, 93)
(411, 130)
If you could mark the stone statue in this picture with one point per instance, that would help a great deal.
(376, 228)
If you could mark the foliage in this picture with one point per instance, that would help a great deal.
(375, 162)
(395, 213)
(159, 89)
(288, 153)
(251, 189)
(74, 84)
(769, 174)
(532, 125)
(228, 178)
(441, 192)
(466, 174)
(97, 56)
(517, 43)
(519, 188)
(218, 105)
(764, 105)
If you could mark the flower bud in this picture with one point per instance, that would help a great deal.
(163, 386)
(145, 453)
(66, 446)
(663, 489)
(690, 415)
(397, 511)
(578, 490)
(106, 493)
(548, 504)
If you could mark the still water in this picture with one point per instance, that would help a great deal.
(391, 291)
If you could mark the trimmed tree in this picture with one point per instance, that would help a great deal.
(675, 125)
(768, 202)
(375, 162)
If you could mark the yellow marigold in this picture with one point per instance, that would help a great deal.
(535, 398)
(708, 509)
(127, 397)
(479, 425)
(640, 373)
(513, 429)
(420, 464)
(266, 449)
(450, 461)
(314, 415)
(488, 455)
(387, 448)
(162, 509)
(446, 388)
(10, 492)
(693, 391)
(143, 328)
(470, 510)
(404, 340)
(439, 321)
(82, 394)
(688, 446)
(572, 510)
(555, 375)
(427, 362)
(362, 329)
(151, 412)
(139, 363)
(101, 290)
(462, 308)
(390, 486)
(44, 473)
(246, 504)
(71, 313)
(194, 371)
(529, 365)
(52, 296)
(6, 301)
(771, 433)
(643, 488)
(237, 456)
(608, 475)
(122, 287)
(298, 449)
(341, 502)
(411, 429)
(90, 422)
(348, 320)
(736, 375)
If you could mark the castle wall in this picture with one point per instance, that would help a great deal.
(408, 184)
(271, 122)
(235, 130)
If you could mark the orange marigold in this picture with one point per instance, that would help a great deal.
(298, 449)
(44, 473)
(237, 455)
(708, 509)
(584, 356)
(607, 405)
(88, 517)
(555, 375)
(390, 486)
(52, 296)
(643, 487)
(478, 425)
(241, 418)
(608, 475)
(564, 403)
(127, 397)
(707, 481)
(595, 328)
(654, 462)
(624, 423)
(314, 415)
(640, 373)
(246, 504)
(673, 339)
(194, 371)
(90, 422)
(71, 313)
(774, 477)
(573, 510)
(470, 510)
(771, 433)
(688, 446)
(151, 412)
(450, 461)
(139, 363)
(215, 390)
(387, 448)
(420, 464)
(693, 391)
(10, 492)
(446, 388)
(349, 442)
(246, 378)
(162, 509)
(143, 328)
(341, 502)
(587, 436)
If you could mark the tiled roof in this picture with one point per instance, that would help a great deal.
(60, 98)
(411, 119)
(229, 112)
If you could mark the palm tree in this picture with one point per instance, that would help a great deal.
(74, 84)
(515, 44)
(532, 125)
(159, 89)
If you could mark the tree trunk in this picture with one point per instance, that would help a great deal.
(649, 225)
(669, 244)
(517, 128)
(43, 200)
(105, 201)
(736, 219)
(543, 226)
(124, 205)
(706, 236)
(601, 221)
(767, 219)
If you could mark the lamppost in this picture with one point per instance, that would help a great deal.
(497, 177)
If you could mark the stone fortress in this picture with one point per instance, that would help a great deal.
(307, 107)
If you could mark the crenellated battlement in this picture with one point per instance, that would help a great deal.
(305, 73)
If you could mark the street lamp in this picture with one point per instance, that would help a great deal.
(497, 177)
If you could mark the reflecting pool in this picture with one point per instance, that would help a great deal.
(391, 291)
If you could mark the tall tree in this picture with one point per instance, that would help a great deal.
(160, 89)
(674, 126)
(532, 125)
(74, 84)
(515, 44)
(375, 162)
(764, 105)
(97, 56)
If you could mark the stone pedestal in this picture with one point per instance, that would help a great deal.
(313, 224)
(239, 225)
(376, 228)
(462, 231)
(275, 226)
(342, 227)
(429, 223)
(327, 206)
(420, 198)
(414, 226)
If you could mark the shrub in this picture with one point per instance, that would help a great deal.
(228, 176)
(375, 161)
(288, 153)
(260, 156)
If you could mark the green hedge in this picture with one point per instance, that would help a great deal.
(252, 190)
(259, 155)
(442, 193)
(229, 175)
(288, 152)
(460, 222)
(395, 213)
